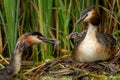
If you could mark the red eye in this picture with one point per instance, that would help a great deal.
(94, 13)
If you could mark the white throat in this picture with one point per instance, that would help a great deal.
(91, 28)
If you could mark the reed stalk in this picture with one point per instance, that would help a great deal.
(10, 22)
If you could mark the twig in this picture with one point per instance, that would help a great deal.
(40, 66)
(4, 59)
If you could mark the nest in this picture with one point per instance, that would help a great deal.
(67, 67)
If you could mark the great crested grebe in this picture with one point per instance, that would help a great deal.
(25, 41)
(93, 45)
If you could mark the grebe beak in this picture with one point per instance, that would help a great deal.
(80, 19)
(47, 40)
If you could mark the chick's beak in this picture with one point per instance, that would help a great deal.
(46, 40)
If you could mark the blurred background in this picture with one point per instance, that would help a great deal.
(54, 19)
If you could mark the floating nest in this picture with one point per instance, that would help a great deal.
(76, 70)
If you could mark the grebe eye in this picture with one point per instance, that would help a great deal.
(93, 13)
(37, 36)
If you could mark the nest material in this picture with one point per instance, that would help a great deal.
(67, 67)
